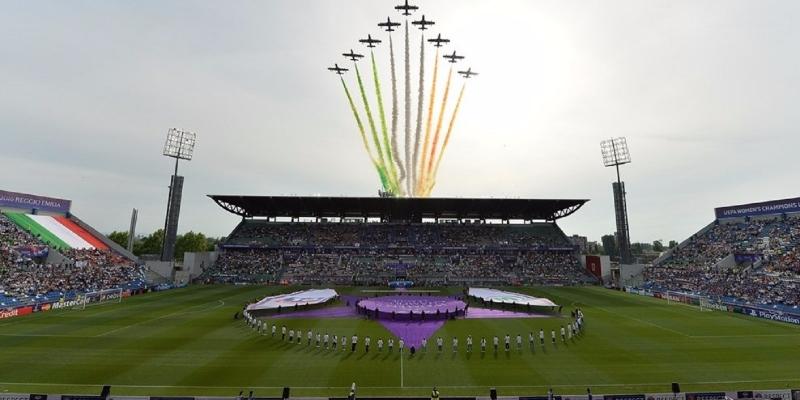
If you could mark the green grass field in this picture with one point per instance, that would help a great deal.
(185, 342)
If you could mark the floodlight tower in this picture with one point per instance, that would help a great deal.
(615, 153)
(180, 146)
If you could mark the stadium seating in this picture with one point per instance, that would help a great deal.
(57, 231)
(767, 273)
(26, 278)
(376, 253)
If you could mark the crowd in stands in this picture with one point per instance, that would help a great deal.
(25, 274)
(770, 275)
(263, 233)
(16, 246)
(377, 253)
(248, 266)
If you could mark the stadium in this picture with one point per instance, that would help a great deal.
(406, 294)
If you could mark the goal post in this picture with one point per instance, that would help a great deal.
(707, 304)
(101, 296)
(702, 303)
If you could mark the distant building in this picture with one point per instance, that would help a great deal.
(581, 241)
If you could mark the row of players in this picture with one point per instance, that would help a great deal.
(572, 330)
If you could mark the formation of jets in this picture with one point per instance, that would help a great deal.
(406, 8)
(468, 73)
(438, 41)
(453, 58)
(370, 42)
(423, 24)
(390, 26)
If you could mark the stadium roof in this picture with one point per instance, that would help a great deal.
(397, 209)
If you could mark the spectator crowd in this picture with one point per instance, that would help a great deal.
(767, 271)
(377, 253)
(25, 274)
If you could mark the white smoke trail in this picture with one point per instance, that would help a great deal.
(408, 114)
(395, 147)
(420, 101)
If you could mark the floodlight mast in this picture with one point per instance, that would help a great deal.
(615, 153)
(180, 146)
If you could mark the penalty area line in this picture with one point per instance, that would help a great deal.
(653, 324)
(180, 312)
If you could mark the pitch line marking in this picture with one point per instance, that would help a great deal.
(794, 379)
(644, 322)
(745, 336)
(221, 303)
(42, 335)
(65, 312)
(401, 370)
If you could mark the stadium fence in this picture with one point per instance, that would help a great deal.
(708, 303)
(777, 394)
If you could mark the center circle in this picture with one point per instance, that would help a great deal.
(412, 307)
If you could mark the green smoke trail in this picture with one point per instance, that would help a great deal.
(408, 115)
(446, 138)
(392, 172)
(395, 147)
(361, 131)
(371, 122)
(439, 123)
(420, 101)
(426, 142)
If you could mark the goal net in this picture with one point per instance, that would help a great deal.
(702, 303)
(101, 296)
(706, 304)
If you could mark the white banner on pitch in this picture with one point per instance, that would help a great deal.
(301, 298)
(500, 296)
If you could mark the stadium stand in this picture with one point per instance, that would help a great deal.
(57, 231)
(376, 253)
(765, 268)
(374, 241)
(88, 265)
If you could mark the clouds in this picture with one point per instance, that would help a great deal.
(705, 92)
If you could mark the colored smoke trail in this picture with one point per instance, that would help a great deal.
(439, 126)
(361, 130)
(420, 101)
(395, 147)
(426, 142)
(371, 121)
(408, 115)
(390, 170)
(446, 138)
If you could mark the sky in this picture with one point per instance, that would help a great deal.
(705, 91)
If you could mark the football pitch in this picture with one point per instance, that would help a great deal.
(186, 342)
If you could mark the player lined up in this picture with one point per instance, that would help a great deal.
(324, 340)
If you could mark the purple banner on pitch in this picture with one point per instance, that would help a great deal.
(765, 208)
(26, 202)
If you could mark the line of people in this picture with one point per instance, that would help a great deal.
(324, 340)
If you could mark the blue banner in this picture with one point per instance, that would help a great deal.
(28, 202)
(624, 397)
(770, 314)
(33, 251)
(746, 257)
(753, 209)
(706, 396)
